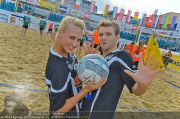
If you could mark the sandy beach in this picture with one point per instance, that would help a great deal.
(23, 61)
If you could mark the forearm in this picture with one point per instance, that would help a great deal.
(139, 90)
(71, 102)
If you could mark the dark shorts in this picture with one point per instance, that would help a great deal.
(50, 30)
(24, 26)
(41, 28)
(81, 43)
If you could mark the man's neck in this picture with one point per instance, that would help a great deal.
(105, 53)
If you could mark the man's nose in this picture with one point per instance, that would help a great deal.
(75, 43)
(103, 37)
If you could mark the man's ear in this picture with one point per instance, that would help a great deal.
(117, 36)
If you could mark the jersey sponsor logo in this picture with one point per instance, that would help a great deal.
(70, 66)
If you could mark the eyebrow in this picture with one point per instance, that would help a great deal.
(72, 37)
(108, 32)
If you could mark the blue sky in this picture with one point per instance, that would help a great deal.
(147, 6)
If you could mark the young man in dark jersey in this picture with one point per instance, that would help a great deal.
(61, 71)
(122, 71)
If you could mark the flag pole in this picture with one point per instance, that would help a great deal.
(17, 4)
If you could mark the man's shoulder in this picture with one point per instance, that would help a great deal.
(118, 54)
(120, 57)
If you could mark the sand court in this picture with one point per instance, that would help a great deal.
(22, 67)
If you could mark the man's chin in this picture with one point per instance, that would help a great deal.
(104, 49)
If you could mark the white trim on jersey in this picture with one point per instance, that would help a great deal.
(75, 92)
(109, 63)
(120, 61)
(97, 94)
(48, 81)
(62, 89)
(55, 53)
(116, 51)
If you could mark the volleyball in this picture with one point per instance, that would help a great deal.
(92, 67)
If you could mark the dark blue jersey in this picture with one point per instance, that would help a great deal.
(105, 100)
(60, 74)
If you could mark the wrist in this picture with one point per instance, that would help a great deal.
(85, 90)
(142, 86)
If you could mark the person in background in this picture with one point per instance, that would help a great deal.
(50, 29)
(26, 23)
(129, 47)
(89, 43)
(95, 39)
(167, 58)
(55, 29)
(42, 26)
(81, 47)
(137, 51)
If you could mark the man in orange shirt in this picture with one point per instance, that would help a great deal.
(95, 37)
(129, 47)
(50, 28)
(137, 51)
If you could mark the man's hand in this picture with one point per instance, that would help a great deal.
(146, 73)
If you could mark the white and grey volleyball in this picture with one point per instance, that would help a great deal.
(92, 67)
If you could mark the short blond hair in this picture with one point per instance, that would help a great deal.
(67, 21)
(113, 23)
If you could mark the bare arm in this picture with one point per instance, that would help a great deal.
(144, 76)
(71, 102)
(138, 90)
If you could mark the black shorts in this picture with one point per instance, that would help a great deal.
(95, 45)
(81, 43)
(50, 30)
(41, 28)
(24, 26)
